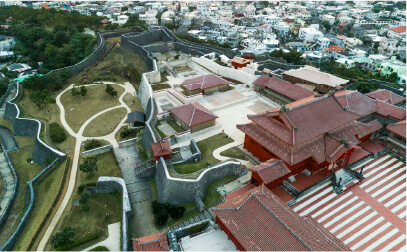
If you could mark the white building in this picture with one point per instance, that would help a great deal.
(310, 34)
(323, 42)
(329, 18)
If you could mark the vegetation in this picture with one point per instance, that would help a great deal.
(175, 126)
(110, 90)
(57, 133)
(197, 228)
(63, 238)
(234, 152)
(128, 132)
(163, 211)
(291, 57)
(327, 25)
(153, 187)
(365, 87)
(105, 123)
(199, 41)
(156, 87)
(134, 21)
(92, 144)
(89, 166)
(206, 147)
(211, 195)
(99, 248)
(79, 242)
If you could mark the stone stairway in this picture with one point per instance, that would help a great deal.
(342, 179)
(207, 214)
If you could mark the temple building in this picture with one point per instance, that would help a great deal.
(258, 220)
(313, 133)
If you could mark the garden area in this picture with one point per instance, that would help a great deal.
(105, 123)
(207, 147)
(106, 166)
(79, 109)
(234, 152)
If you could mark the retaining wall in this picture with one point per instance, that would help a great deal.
(107, 185)
(196, 154)
(227, 72)
(128, 142)
(179, 191)
(97, 151)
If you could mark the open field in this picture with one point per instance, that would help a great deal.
(105, 123)
(133, 102)
(25, 172)
(156, 87)
(78, 110)
(47, 191)
(107, 166)
(206, 147)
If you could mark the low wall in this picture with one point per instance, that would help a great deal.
(179, 191)
(128, 142)
(94, 152)
(42, 153)
(107, 185)
(196, 154)
(30, 198)
(227, 72)
(183, 98)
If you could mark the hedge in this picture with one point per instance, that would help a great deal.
(79, 242)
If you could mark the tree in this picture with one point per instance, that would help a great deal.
(161, 217)
(91, 144)
(89, 166)
(39, 97)
(75, 92)
(326, 25)
(110, 90)
(62, 238)
(83, 91)
(392, 77)
(56, 132)
(85, 195)
(177, 212)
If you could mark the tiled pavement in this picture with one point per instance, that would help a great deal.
(370, 216)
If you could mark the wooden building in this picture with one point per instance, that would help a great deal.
(136, 119)
(193, 116)
(323, 82)
(387, 96)
(258, 220)
(161, 149)
(272, 173)
(397, 137)
(238, 62)
(154, 242)
(205, 84)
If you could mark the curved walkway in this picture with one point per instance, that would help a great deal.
(216, 154)
(113, 241)
(128, 88)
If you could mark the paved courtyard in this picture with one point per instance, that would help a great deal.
(370, 216)
(166, 128)
(139, 192)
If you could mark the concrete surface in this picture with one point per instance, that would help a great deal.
(215, 240)
(113, 241)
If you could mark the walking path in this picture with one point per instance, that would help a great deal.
(128, 88)
(113, 241)
(216, 154)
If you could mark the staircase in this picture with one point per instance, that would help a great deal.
(344, 179)
(290, 188)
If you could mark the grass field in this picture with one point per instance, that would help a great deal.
(234, 152)
(156, 87)
(211, 195)
(25, 172)
(107, 166)
(105, 123)
(133, 102)
(78, 110)
(175, 126)
(47, 191)
(206, 147)
(162, 135)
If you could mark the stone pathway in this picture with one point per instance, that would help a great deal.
(166, 128)
(113, 241)
(128, 88)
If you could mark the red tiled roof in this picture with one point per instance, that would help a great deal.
(313, 75)
(260, 221)
(386, 96)
(399, 29)
(240, 60)
(342, 24)
(357, 155)
(193, 114)
(334, 48)
(161, 148)
(386, 109)
(356, 102)
(399, 128)
(287, 89)
(204, 82)
(271, 170)
(154, 242)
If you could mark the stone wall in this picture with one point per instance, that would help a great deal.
(128, 142)
(227, 72)
(179, 191)
(42, 153)
(107, 185)
(97, 151)
(196, 154)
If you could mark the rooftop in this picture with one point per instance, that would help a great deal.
(193, 114)
(314, 75)
(204, 82)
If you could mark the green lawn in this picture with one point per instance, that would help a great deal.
(107, 166)
(156, 87)
(133, 102)
(105, 123)
(25, 172)
(234, 152)
(206, 147)
(211, 195)
(175, 126)
(162, 135)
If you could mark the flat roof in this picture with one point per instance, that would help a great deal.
(215, 240)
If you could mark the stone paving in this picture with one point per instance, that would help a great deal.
(139, 192)
(166, 128)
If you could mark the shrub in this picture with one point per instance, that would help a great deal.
(126, 133)
(82, 187)
(161, 217)
(63, 238)
(57, 133)
(92, 144)
(99, 248)
(79, 242)
(156, 207)
(177, 212)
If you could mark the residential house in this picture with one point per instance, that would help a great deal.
(329, 18)
(348, 63)
(331, 51)
(351, 42)
(392, 66)
(323, 42)
(309, 34)
(17, 67)
(397, 33)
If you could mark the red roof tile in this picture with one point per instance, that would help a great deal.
(313, 75)
(193, 114)
(386, 96)
(204, 82)
(260, 221)
(271, 170)
(154, 242)
(334, 48)
(399, 29)
(161, 148)
(399, 128)
(386, 109)
(356, 102)
(287, 89)
(357, 155)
